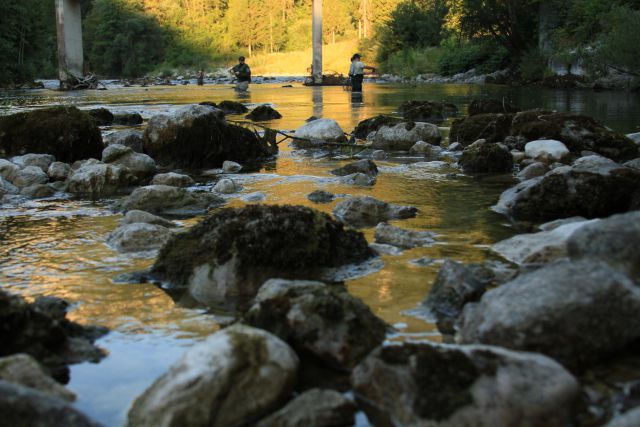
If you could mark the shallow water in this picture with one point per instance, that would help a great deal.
(56, 247)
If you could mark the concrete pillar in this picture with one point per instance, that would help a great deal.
(317, 41)
(69, 29)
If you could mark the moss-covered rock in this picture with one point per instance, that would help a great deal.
(197, 136)
(232, 107)
(102, 116)
(490, 127)
(427, 111)
(367, 126)
(491, 106)
(223, 260)
(64, 132)
(486, 158)
(262, 113)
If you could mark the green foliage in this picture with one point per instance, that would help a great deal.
(485, 56)
(533, 66)
(618, 44)
(413, 61)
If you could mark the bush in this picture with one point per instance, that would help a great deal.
(619, 43)
(533, 66)
(411, 62)
(484, 56)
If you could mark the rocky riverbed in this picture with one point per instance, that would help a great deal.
(321, 275)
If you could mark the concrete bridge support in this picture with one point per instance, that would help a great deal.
(69, 29)
(317, 42)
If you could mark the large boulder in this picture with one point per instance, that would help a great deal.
(164, 199)
(490, 127)
(574, 311)
(576, 131)
(403, 136)
(223, 260)
(365, 127)
(486, 158)
(321, 129)
(141, 165)
(424, 384)
(25, 370)
(211, 384)
(546, 150)
(406, 239)
(593, 187)
(427, 111)
(197, 136)
(64, 132)
(365, 211)
(491, 106)
(314, 408)
(129, 138)
(324, 321)
(98, 179)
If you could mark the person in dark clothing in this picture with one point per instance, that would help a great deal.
(200, 78)
(242, 73)
(356, 72)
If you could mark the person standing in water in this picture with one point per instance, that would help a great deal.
(201, 78)
(242, 73)
(356, 72)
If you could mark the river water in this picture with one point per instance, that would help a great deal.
(56, 246)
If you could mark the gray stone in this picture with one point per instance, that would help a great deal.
(630, 418)
(173, 179)
(7, 188)
(231, 167)
(99, 179)
(321, 129)
(534, 170)
(30, 175)
(486, 158)
(360, 179)
(425, 149)
(114, 151)
(546, 150)
(58, 171)
(455, 146)
(256, 197)
(135, 216)
(141, 165)
(425, 384)
(320, 196)
(403, 136)
(635, 137)
(40, 160)
(384, 249)
(379, 155)
(574, 311)
(163, 199)
(406, 239)
(314, 408)
(8, 169)
(363, 166)
(227, 186)
(129, 138)
(365, 211)
(635, 163)
(209, 385)
(37, 191)
(24, 370)
(138, 237)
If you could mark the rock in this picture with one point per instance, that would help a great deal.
(101, 116)
(593, 187)
(379, 155)
(456, 146)
(8, 169)
(403, 136)
(231, 167)
(358, 179)
(314, 408)
(534, 170)
(546, 150)
(134, 216)
(427, 111)
(66, 133)
(364, 166)
(97, 179)
(574, 311)
(114, 151)
(630, 418)
(24, 406)
(140, 165)
(635, 137)
(491, 106)
(365, 211)
(43, 161)
(173, 179)
(263, 113)
(320, 196)
(127, 119)
(54, 341)
(424, 384)
(576, 131)
(486, 158)
(227, 186)
(613, 240)
(58, 171)
(223, 260)
(490, 127)
(635, 163)
(197, 136)
(324, 321)
(384, 249)
(426, 149)
(7, 188)
(406, 239)
(552, 225)
(163, 199)
(28, 176)
(256, 197)
(536, 249)
(209, 385)
(367, 126)
(232, 107)
(37, 191)
(129, 138)
(321, 129)
(138, 237)
(24, 370)
(455, 286)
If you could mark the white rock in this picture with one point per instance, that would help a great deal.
(546, 150)
(227, 186)
(231, 167)
(635, 137)
(322, 129)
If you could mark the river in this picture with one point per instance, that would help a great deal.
(56, 246)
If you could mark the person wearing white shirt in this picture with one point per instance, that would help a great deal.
(356, 72)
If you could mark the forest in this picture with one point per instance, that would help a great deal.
(132, 38)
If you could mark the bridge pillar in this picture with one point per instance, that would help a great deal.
(69, 29)
(317, 41)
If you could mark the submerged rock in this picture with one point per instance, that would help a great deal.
(486, 158)
(491, 106)
(223, 260)
(127, 119)
(365, 211)
(365, 127)
(424, 384)
(173, 179)
(135, 216)
(138, 237)
(403, 136)
(358, 179)
(129, 138)
(321, 129)
(66, 133)
(98, 179)
(427, 111)
(321, 196)
(407, 239)
(163, 199)
(262, 113)
(364, 166)
(197, 136)
(24, 370)
(490, 127)
(324, 321)
(574, 311)
(209, 385)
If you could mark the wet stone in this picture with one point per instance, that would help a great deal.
(321, 196)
